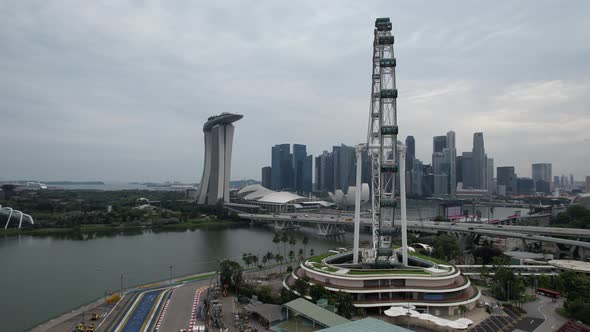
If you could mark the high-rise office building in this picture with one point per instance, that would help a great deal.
(438, 163)
(281, 167)
(490, 175)
(459, 169)
(417, 175)
(507, 177)
(439, 143)
(299, 155)
(325, 172)
(588, 184)
(344, 167)
(266, 177)
(556, 181)
(572, 183)
(440, 184)
(427, 180)
(525, 186)
(410, 152)
(452, 159)
(307, 174)
(479, 162)
(468, 171)
(542, 176)
(219, 135)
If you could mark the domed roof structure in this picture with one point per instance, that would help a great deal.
(582, 199)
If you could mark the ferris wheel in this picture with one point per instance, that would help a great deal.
(382, 144)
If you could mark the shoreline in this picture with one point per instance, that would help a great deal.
(70, 314)
(98, 228)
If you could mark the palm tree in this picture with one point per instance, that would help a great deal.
(284, 239)
(311, 252)
(276, 240)
(245, 259)
(264, 260)
(292, 242)
(305, 241)
(291, 255)
(279, 259)
(301, 254)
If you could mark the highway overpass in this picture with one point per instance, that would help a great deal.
(532, 233)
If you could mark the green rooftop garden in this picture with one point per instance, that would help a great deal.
(394, 271)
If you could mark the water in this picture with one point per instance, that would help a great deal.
(43, 277)
(104, 187)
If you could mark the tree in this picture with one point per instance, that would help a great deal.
(486, 254)
(264, 260)
(445, 247)
(291, 255)
(292, 242)
(305, 241)
(230, 273)
(318, 292)
(301, 286)
(311, 252)
(463, 309)
(343, 302)
(284, 239)
(276, 240)
(301, 254)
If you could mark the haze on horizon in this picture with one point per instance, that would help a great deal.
(119, 90)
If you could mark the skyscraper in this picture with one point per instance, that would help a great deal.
(479, 162)
(452, 159)
(307, 174)
(439, 143)
(556, 182)
(490, 175)
(572, 183)
(299, 155)
(344, 170)
(282, 167)
(266, 177)
(324, 164)
(542, 177)
(507, 178)
(588, 184)
(410, 152)
(219, 135)
(468, 171)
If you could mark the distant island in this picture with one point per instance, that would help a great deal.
(71, 183)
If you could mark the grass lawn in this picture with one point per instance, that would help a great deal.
(318, 258)
(368, 272)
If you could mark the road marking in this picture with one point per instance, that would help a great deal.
(126, 317)
(152, 313)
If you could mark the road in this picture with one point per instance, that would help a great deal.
(521, 232)
(544, 308)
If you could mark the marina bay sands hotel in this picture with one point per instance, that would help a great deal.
(219, 135)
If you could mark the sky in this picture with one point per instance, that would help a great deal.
(119, 90)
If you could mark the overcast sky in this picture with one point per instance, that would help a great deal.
(119, 90)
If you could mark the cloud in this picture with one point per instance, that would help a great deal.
(118, 90)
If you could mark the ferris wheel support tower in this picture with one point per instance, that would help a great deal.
(382, 145)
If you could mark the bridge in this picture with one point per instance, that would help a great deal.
(523, 270)
(333, 224)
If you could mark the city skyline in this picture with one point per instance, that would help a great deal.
(152, 82)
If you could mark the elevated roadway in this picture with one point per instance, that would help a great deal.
(533, 233)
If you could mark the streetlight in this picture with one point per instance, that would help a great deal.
(170, 268)
(121, 289)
